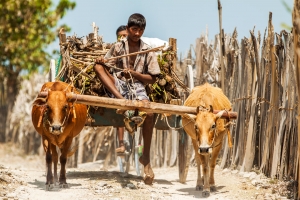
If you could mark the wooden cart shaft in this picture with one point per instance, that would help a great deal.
(125, 104)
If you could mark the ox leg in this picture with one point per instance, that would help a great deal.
(205, 170)
(199, 185)
(212, 165)
(49, 176)
(63, 161)
(55, 161)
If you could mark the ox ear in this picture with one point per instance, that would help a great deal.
(211, 109)
(40, 101)
(190, 117)
(188, 124)
(219, 114)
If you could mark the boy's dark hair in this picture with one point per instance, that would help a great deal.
(137, 19)
(121, 28)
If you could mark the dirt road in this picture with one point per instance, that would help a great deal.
(23, 177)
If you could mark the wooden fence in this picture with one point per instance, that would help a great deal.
(260, 82)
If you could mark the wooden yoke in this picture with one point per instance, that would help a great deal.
(125, 104)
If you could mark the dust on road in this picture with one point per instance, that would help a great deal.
(23, 177)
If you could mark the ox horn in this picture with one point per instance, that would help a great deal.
(219, 114)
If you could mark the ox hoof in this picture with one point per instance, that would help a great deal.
(49, 187)
(213, 188)
(64, 185)
(205, 194)
(199, 187)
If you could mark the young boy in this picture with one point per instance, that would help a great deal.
(121, 34)
(137, 71)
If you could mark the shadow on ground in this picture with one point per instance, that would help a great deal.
(198, 194)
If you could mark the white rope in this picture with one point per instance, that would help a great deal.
(174, 128)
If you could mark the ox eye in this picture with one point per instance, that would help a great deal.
(213, 126)
(66, 106)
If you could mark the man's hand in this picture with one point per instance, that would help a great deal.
(100, 60)
(128, 73)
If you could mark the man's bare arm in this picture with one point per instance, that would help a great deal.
(144, 78)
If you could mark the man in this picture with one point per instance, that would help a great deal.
(137, 71)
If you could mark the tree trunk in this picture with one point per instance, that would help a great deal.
(11, 90)
(3, 116)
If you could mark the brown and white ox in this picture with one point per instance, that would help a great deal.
(207, 131)
(58, 121)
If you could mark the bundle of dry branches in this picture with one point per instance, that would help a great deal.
(164, 89)
(78, 60)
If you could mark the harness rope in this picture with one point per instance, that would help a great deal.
(174, 128)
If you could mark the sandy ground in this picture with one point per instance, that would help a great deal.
(23, 177)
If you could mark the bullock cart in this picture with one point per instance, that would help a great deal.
(172, 118)
(77, 59)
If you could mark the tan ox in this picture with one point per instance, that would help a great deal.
(58, 121)
(207, 131)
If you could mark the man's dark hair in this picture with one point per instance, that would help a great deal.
(121, 28)
(137, 19)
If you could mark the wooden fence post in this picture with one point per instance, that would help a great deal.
(296, 32)
(222, 49)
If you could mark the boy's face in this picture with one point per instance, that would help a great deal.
(122, 34)
(135, 33)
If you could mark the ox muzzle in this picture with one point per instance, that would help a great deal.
(56, 129)
(204, 150)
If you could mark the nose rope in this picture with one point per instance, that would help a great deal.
(65, 119)
(228, 134)
(211, 146)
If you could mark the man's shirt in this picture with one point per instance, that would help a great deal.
(144, 63)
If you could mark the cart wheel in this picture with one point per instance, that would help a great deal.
(184, 155)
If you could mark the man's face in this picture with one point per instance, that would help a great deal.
(135, 33)
(122, 34)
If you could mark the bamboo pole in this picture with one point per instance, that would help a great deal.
(62, 42)
(136, 53)
(173, 44)
(86, 53)
(221, 47)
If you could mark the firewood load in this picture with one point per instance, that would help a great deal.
(164, 89)
(79, 54)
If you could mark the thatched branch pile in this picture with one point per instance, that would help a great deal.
(78, 59)
(78, 55)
